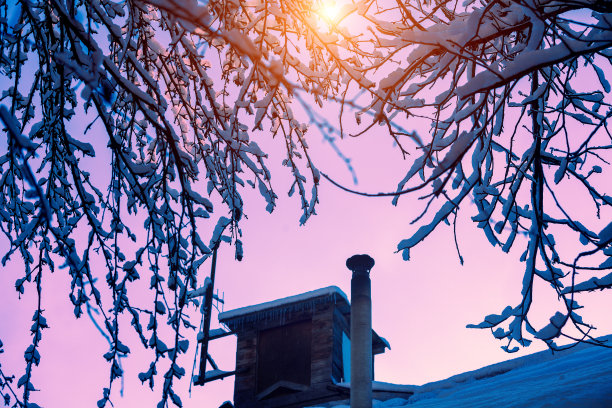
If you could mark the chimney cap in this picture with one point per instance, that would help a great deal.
(360, 263)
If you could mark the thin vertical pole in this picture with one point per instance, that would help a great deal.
(208, 298)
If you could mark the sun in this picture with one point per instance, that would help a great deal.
(329, 10)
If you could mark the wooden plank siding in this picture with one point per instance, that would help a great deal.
(324, 317)
(322, 329)
(321, 317)
(246, 359)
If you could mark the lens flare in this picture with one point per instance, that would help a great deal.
(330, 10)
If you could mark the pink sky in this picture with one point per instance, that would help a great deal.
(420, 306)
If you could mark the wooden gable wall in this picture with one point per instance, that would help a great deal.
(322, 347)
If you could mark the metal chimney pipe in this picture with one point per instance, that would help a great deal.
(361, 331)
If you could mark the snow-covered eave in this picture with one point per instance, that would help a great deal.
(381, 386)
(481, 373)
(330, 291)
(503, 367)
(278, 309)
(576, 377)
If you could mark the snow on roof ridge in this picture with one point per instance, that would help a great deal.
(579, 376)
(503, 367)
(328, 291)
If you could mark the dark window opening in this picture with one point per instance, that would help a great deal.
(283, 357)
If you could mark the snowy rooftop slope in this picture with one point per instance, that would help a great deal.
(303, 297)
(277, 310)
(580, 377)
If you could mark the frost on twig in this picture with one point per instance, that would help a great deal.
(179, 93)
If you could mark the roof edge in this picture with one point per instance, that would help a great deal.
(286, 301)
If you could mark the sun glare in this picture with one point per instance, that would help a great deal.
(330, 10)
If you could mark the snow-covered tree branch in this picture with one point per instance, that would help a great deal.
(516, 93)
(511, 91)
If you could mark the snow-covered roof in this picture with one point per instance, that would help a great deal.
(278, 309)
(284, 302)
(577, 377)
